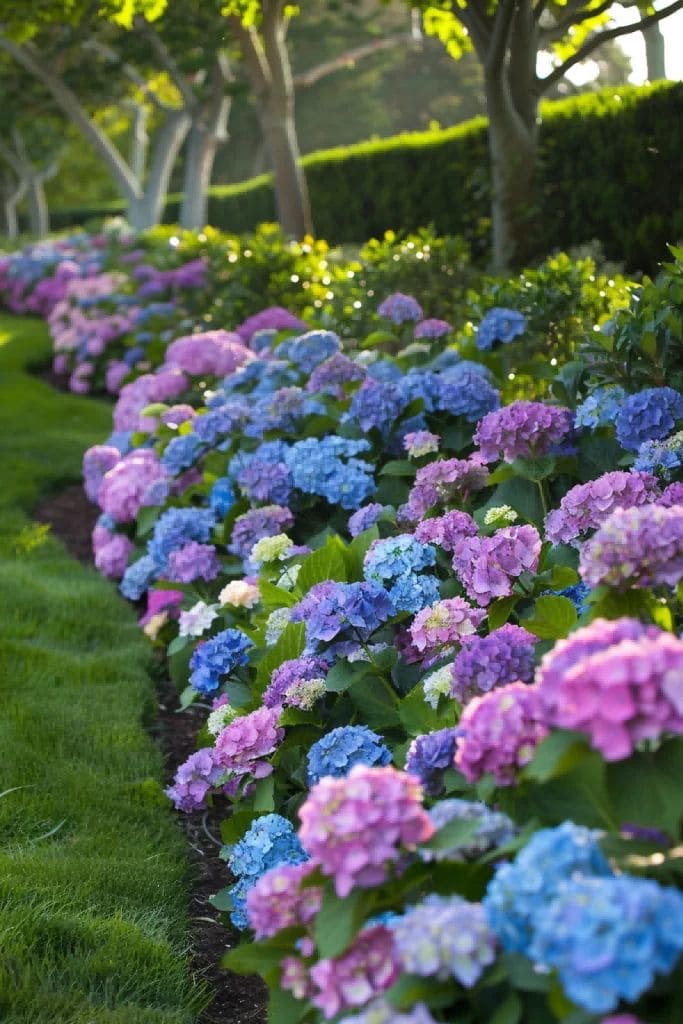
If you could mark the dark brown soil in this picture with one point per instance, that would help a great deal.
(235, 999)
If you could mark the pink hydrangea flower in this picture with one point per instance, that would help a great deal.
(367, 968)
(243, 746)
(151, 387)
(274, 318)
(488, 566)
(500, 732)
(137, 480)
(636, 547)
(111, 552)
(421, 442)
(446, 531)
(279, 901)
(354, 827)
(211, 353)
(441, 483)
(162, 601)
(629, 691)
(522, 430)
(444, 624)
(586, 506)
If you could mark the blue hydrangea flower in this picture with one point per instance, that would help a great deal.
(364, 518)
(108, 522)
(577, 594)
(395, 556)
(500, 324)
(468, 394)
(269, 841)
(310, 349)
(138, 577)
(122, 440)
(519, 892)
(384, 371)
(601, 408)
(266, 481)
(283, 410)
(331, 608)
(175, 527)
(411, 592)
(445, 937)
(429, 756)
(662, 457)
(221, 497)
(181, 453)
(217, 657)
(649, 415)
(329, 468)
(377, 405)
(343, 748)
(609, 937)
(400, 308)
(421, 384)
(219, 423)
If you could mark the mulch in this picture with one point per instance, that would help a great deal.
(235, 999)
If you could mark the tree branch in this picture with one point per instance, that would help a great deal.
(556, 31)
(350, 57)
(499, 38)
(603, 37)
(252, 52)
(169, 64)
(108, 53)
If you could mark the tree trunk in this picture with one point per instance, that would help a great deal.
(654, 53)
(513, 151)
(37, 207)
(11, 201)
(146, 209)
(276, 114)
(209, 130)
(139, 140)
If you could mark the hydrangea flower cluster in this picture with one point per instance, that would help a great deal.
(437, 684)
(277, 900)
(331, 375)
(176, 527)
(519, 893)
(257, 523)
(274, 318)
(367, 968)
(430, 756)
(663, 457)
(193, 780)
(435, 630)
(420, 442)
(620, 683)
(193, 561)
(135, 481)
(636, 547)
(309, 350)
(488, 566)
(499, 733)
(138, 577)
(217, 657)
(354, 827)
(600, 409)
(341, 749)
(493, 829)
(239, 594)
(400, 308)
(649, 415)
(182, 453)
(500, 324)
(395, 563)
(446, 531)
(522, 430)
(330, 609)
(608, 938)
(243, 746)
(432, 329)
(111, 551)
(211, 353)
(288, 677)
(465, 391)
(270, 841)
(329, 467)
(380, 1012)
(504, 656)
(149, 388)
(376, 405)
(364, 518)
(586, 506)
(445, 938)
(442, 483)
(97, 461)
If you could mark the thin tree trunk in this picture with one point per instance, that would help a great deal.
(513, 151)
(139, 140)
(209, 130)
(654, 52)
(37, 206)
(146, 210)
(11, 203)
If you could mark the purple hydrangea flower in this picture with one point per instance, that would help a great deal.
(430, 756)
(432, 328)
(212, 353)
(504, 656)
(650, 415)
(330, 609)
(447, 531)
(400, 308)
(272, 318)
(135, 481)
(244, 745)
(256, 524)
(586, 506)
(445, 938)
(331, 375)
(364, 518)
(499, 733)
(289, 675)
(522, 430)
(193, 561)
(488, 566)
(278, 900)
(636, 547)
(193, 780)
(368, 967)
(443, 482)
(97, 461)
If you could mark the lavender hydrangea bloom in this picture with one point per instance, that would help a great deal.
(445, 938)
(400, 308)
(608, 938)
(97, 461)
(333, 373)
(504, 656)
(430, 756)
(266, 481)
(468, 394)
(217, 424)
(499, 733)
(330, 609)
(213, 353)
(522, 430)
(488, 566)
(650, 415)
(272, 318)
(586, 506)
(343, 748)
(194, 779)
(500, 324)
(447, 531)
(288, 675)
(137, 480)
(256, 524)
(364, 518)
(519, 893)
(217, 657)
(493, 829)
(636, 547)
(174, 528)
(441, 483)
(432, 328)
(376, 405)
(193, 561)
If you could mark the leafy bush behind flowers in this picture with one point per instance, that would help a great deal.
(435, 626)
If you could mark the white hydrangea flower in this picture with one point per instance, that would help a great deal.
(437, 684)
(197, 620)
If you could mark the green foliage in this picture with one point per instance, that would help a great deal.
(92, 898)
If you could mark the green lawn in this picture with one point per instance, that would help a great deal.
(93, 877)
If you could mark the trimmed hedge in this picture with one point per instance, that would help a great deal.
(608, 170)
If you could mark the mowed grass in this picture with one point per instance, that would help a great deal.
(93, 876)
